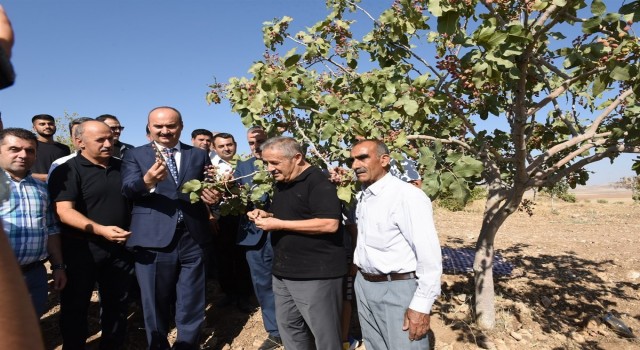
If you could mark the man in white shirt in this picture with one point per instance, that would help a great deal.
(224, 146)
(233, 271)
(398, 254)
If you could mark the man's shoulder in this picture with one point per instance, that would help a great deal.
(127, 146)
(246, 162)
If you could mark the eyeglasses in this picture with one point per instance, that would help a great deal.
(117, 128)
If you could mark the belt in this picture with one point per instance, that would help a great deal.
(388, 277)
(30, 266)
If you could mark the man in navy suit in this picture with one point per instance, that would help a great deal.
(258, 248)
(169, 234)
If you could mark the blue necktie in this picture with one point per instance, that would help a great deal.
(173, 169)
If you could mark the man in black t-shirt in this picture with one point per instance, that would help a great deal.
(309, 258)
(95, 217)
(48, 150)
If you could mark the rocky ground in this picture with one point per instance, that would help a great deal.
(573, 263)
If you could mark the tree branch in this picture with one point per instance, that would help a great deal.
(551, 67)
(447, 141)
(589, 133)
(493, 12)
(561, 89)
(422, 60)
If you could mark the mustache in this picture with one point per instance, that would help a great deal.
(360, 170)
(103, 149)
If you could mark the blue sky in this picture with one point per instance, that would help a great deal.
(125, 57)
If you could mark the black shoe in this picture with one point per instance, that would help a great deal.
(272, 342)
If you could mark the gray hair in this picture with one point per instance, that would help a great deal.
(287, 145)
(381, 148)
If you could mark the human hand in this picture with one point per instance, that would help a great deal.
(113, 233)
(268, 223)
(59, 279)
(257, 213)
(210, 196)
(158, 172)
(417, 323)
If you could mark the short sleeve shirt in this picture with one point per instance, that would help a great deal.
(95, 191)
(307, 256)
(46, 154)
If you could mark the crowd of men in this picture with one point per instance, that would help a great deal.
(112, 215)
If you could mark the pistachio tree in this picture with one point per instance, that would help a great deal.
(508, 94)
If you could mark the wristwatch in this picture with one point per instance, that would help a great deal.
(58, 266)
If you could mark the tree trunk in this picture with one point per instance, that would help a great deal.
(495, 213)
(483, 273)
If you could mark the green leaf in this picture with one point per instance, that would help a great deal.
(390, 87)
(390, 116)
(411, 107)
(448, 23)
(431, 185)
(632, 9)
(598, 7)
(328, 131)
(591, 25)
(292, 60)
(467, 167)
(459, 191)
(599, 85)
(191, 186)
(194, 197)
(345, 193)
(401, 140)
(435, 8)
(560, 3)
(620, 73)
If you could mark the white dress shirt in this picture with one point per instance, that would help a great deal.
(396, 234)
(177, 154)
(224, 167)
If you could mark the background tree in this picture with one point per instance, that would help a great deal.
(630, 183)
(476, 91)
(63, 134)
(559, 190)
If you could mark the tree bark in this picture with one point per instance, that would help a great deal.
(497, 210)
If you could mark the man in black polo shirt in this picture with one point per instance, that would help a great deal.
(95, 217)
(309, 258)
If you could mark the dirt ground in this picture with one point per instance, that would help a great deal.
(573, 262)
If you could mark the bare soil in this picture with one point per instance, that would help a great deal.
(573, 263)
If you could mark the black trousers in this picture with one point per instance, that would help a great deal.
(230, 262)
(108, 264)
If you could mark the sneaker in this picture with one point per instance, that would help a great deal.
(272, 342)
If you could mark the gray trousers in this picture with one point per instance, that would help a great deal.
(308, 313)
(381, 308)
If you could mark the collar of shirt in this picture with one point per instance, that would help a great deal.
(177, 154)
(376, 187)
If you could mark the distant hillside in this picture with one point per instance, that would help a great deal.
(601, 191)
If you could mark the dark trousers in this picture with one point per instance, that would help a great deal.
(111, 266)
(172, 276)
(260, 260)
(232, 268)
